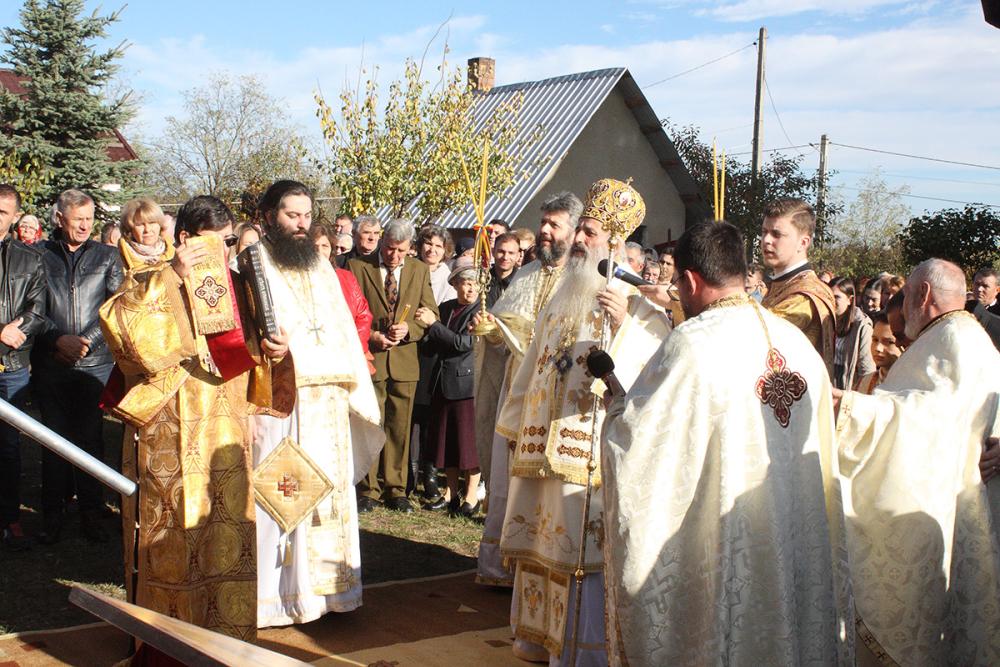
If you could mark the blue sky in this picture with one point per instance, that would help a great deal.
(911, 76)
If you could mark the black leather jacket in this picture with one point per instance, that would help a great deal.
(73, 297)
(22, 294)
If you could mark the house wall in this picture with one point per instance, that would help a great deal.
(613, 146)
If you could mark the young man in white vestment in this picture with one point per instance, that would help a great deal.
(553, 421)
(500, 354)
(724, 531)
(925, 559)
(321, 434)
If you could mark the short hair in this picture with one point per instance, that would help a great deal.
(987, 272)
(202, 213)
(502, 223)
(276, 193)
(632, 245)
(755, 268)
(564, 201)
(342, 216)
(651, 255)
(944, 277)
(524, 234)
(143, 210)
(71, 199)
(427, 232)
(346, 236)
(845, 285)
(366, 221)
(803, 215)
(506, 237)
(667, 251)
(879, 317)
(713, 250)
(27, 217)
(107, 229)
(398, 230)
(8, 190)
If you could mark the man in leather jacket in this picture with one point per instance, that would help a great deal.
(22, 310)
(71, 362)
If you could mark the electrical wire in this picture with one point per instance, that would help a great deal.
(710, 62)
(950, 201)
(917, 157)
(774, 108)
(920, 178)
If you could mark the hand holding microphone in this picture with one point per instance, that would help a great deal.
(601, 365)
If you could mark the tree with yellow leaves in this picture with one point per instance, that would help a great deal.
(409, 157)
(27, 175)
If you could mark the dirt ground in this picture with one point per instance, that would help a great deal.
(34, 585)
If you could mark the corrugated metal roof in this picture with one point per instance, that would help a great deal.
(562, 107)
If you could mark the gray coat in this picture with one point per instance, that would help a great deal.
(858, 360)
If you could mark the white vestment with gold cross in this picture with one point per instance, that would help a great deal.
(316, 567)
(550, 416)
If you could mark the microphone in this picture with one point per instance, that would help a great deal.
(601, 365)
(621, 274)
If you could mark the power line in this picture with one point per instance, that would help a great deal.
(950, 201)
(772, 150)
(774, 108)
(917, 157)
(710, 62)
(920, 178)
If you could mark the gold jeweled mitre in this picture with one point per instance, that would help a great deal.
(616, 205)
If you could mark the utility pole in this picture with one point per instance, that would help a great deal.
(824, 144)
(758, 123)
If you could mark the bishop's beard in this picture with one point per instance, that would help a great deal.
(576, 298)
(291, 252)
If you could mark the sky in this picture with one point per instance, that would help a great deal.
(905, 76)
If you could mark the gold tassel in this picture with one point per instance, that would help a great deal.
(287, 560)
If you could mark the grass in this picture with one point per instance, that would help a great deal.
(34, 585)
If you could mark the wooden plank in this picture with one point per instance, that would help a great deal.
(178, 639)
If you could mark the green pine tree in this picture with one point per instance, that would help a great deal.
(65, 120)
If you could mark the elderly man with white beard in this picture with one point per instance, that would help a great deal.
(922, 537)
(553, 420)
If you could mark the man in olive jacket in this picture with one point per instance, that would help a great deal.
(395, 286)
(71, 362)
(22, 316)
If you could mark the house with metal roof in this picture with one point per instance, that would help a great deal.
(594, 125)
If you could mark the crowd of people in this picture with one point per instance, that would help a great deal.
(697, 461)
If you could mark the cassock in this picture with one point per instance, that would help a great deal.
(498, 358)
(724, 539)
(189, 533)
(801, 298)
(326, 417)
(925, 560)
(549, 416)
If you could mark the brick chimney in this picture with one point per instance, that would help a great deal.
(482, 74)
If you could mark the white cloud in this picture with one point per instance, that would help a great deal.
(751, 10)
(928, 87)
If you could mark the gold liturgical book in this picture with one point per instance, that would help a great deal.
(209, 288)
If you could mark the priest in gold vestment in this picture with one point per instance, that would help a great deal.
(925, 558)
(180, 386)
(319, 436)
(723, 526)
(500, 353)
(551, 417)
(794, 291)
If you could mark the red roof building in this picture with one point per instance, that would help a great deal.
(118, 149)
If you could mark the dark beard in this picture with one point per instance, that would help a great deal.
(552, 254)
(289, 252)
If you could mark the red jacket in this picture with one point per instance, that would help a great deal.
(358, 305)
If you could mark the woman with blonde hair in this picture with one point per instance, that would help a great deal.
(141, 243)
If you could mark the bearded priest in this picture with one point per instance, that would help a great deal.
(925, 558)
(724, 538)
(320, 432)
(554, 422)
